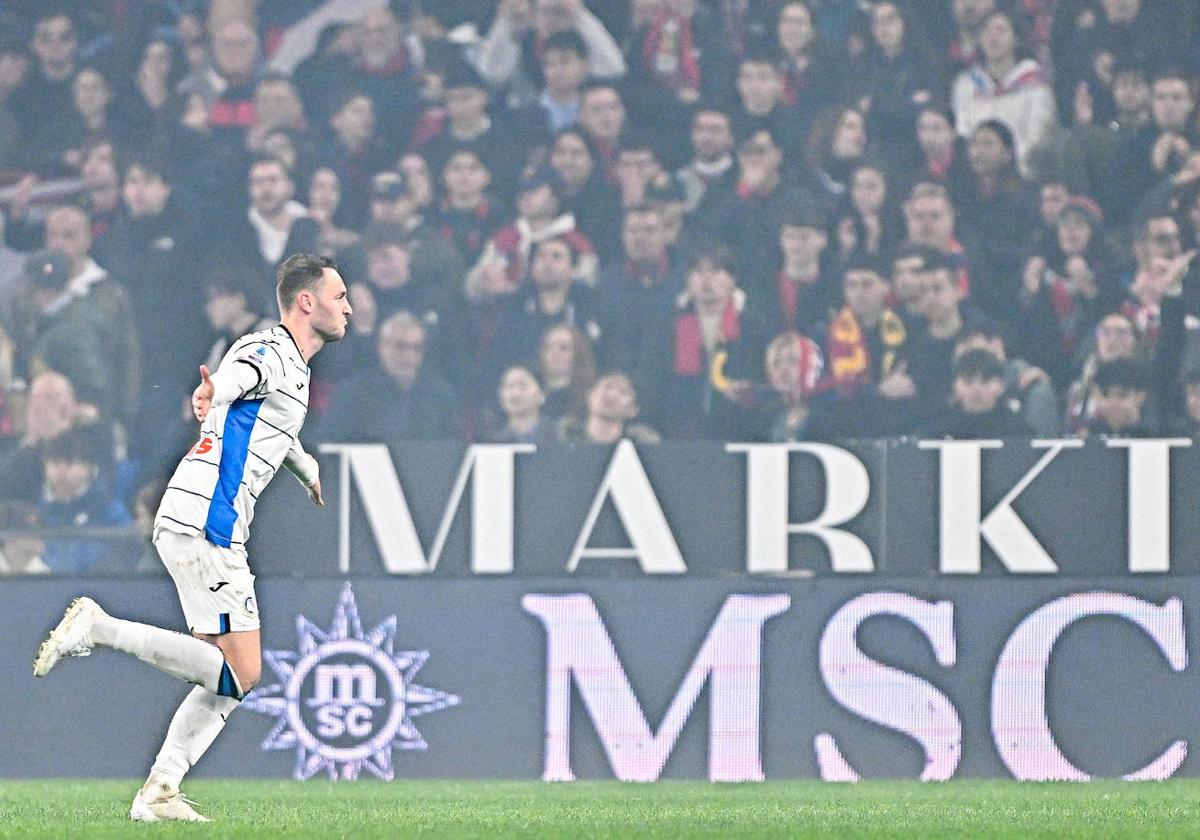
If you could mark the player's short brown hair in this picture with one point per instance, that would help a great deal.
(300, 272)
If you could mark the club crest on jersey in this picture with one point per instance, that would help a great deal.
(345, 699)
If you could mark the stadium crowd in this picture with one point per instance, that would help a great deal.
(682, 219)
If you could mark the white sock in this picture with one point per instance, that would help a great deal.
(186, 657)
(200, 718)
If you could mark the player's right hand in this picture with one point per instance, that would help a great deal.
(203, 395)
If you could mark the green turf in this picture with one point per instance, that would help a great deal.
(370, 809)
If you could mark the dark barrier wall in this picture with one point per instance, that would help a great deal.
(899, 508)
(729, 679)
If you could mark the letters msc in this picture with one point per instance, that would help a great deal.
(580, 654)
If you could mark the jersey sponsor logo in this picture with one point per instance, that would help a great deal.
(345, 698)
(205, 445)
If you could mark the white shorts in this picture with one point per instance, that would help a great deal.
(216, 588)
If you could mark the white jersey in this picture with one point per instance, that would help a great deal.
(242, 445)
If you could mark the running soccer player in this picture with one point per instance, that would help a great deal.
(250, 412)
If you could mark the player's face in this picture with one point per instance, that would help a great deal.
(332, 311)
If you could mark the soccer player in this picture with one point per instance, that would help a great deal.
(250, 412)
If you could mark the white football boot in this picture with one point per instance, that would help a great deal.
(72, 636)
(159, 799)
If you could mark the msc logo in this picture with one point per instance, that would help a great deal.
(345, 699)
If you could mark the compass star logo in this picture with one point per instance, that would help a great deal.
(345, 699)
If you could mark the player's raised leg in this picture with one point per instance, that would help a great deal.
(85, 625)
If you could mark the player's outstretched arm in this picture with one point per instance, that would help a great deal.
(229, 383)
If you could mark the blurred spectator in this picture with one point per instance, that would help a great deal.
(794, 366)
(866, 352)
(638, 289)
(469, 123)
(564, 68)
(612, 406)
(155, 243)
(419, 178)
(908, 278)
(813, 72)
(356, 151)
(1116, 337)
(394, 207)
(395, 283)
(998, 208)
(929, 220)
(277, 106)
(521, 400)
(677, 57)
(553, 296)
(602, 118)
(45, 96)
(587, 196)
(20, 554)
(227, 308)
(508, 57)
(932, 351)
(869, 221)
(942, 154)
(467, 216)
(159, 70)
(711, 171)
(1156, 149)
(897, 73)
(397, 399)
(712, 334)
(1005, 86)
(741, 217)
(977, 409)
(1027, 389)
(14, 65)
(566, 367)
(76, 495)
(227, 85)
(77, 319)
(385, 66)
(760, 106)
(1119, 392)
(274, 226)
(51, 411)
(325, 208)
(1188, 425)
(969, 16)
(804, 293)
(836, 145)
(503, 266)
(58, 146)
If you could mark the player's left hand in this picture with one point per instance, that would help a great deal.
(314, 493)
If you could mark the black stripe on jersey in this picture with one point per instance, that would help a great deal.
(184, 524)
(202, 461)
(261, 458)
(293, 338)
(284, 393)
(276, 428)
(253, 495)
(257, 372)
(191, 492)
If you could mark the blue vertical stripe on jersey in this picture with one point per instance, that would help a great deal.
(222, 623)
(235, 446)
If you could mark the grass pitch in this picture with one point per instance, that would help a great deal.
(369, 809)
